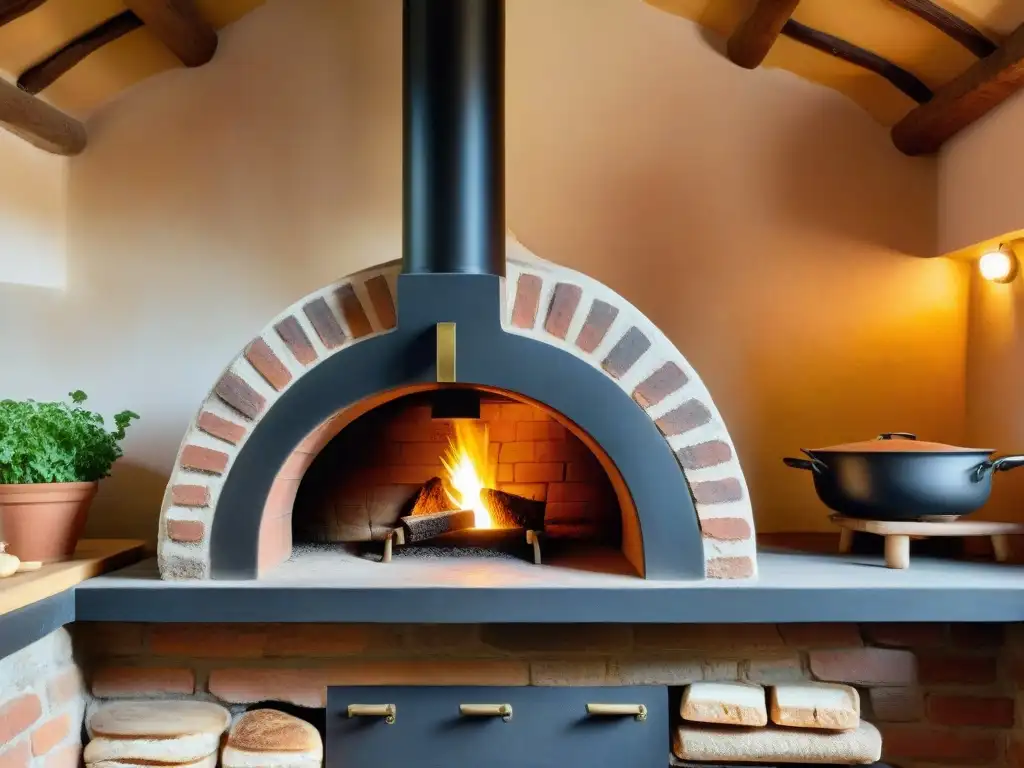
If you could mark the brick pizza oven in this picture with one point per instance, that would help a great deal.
(326, 424)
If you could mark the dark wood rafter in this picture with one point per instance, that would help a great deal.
(861, 57)
(13, 9)
(958, 29)
(39, 123)
(751, 41)
(179, 26)
(42, 75)
(982, 87)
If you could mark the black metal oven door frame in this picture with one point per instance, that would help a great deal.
(497, 727)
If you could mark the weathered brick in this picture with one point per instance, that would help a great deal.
(701, 455)
(51, 733)
(715, 638)
(324, 322)
(625, 353)
(690, 415)
(234, 392)
(420, 453)
(650, 670)
(821, 635)
(539, 472)
(768, 670)
(729, 568)
(208, 640)
(939, 745)
(717, 491)
(513, 453)
(17, 755)
(559, 450)
(535, 491)
(956, 710)
(726, 528)
(540, 430)
(203, 459)
(294, 337)
(587, 492)
(564, 301)
(353, 312)
(522, 412)
(865, 666)
(104, 639)
(659, 385)
(976, 636)
(547, 638)
(308, 687)
(64, 686)
(506, 473)
(186, 531)
(905, 635)
(383, 303)
(190, 496)
(267, 364)
(222, 429)
(584, 471)
(527, 301)
(326, 640)
(501, 431)
(65, 757)
(575, 672)
(896, 704)
(950, 669)
(17, 715)
(595, 327)
(119, 682)
(430, 638)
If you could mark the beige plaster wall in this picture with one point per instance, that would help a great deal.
(979, 179)
(766, 224)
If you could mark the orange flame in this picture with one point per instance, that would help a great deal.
(469, 469)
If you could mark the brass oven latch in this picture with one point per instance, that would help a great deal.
(446, 353)
(636, 711)
(388, 711)
(504, 711)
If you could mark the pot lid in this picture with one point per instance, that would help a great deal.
(898, 442)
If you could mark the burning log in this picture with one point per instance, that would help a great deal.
(432, 498)
(423, 527)
(511, 511)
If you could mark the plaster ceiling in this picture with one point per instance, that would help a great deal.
(879, 26)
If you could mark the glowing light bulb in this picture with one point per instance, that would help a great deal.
(998, 266)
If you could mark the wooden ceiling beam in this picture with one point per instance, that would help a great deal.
(754, 37)
(39, 123)
(42, 75)
(178, 25)
(13, 9)
(980, 88)
(835, 46)
(952, 25)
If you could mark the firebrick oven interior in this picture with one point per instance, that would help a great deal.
(483, 501)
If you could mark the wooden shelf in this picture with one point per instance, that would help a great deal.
(92, 557)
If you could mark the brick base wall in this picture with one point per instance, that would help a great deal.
(940, 694)
(363, 480)
(42, 703)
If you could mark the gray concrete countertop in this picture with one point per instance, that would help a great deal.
(321, 586)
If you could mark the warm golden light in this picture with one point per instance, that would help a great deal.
(998, 266)
(469, 470)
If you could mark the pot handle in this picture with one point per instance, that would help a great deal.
(814, 465)
(900, 435)
(1001, 464)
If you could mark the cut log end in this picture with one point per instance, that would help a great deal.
(511, 511)
(432, 498)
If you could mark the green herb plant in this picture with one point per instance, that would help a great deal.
(57, 442)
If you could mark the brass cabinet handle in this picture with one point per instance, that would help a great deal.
(388, 711)
(504, 711)
(638, 711)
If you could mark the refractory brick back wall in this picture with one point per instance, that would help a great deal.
(42, 701)
(941, 694)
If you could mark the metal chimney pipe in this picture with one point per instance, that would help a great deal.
(454, 137)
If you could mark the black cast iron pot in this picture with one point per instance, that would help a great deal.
(898, 477)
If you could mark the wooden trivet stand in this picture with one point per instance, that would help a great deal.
(898, 535)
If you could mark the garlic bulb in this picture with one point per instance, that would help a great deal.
(8, 563)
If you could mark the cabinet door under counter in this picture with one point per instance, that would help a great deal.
(496, 727)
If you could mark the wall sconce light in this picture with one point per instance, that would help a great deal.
(1000, 265)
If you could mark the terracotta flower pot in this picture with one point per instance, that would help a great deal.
(44, 521)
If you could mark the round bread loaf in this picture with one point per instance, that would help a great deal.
(210, 761)
(268, 730)
(159, 719)
(178, 749)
